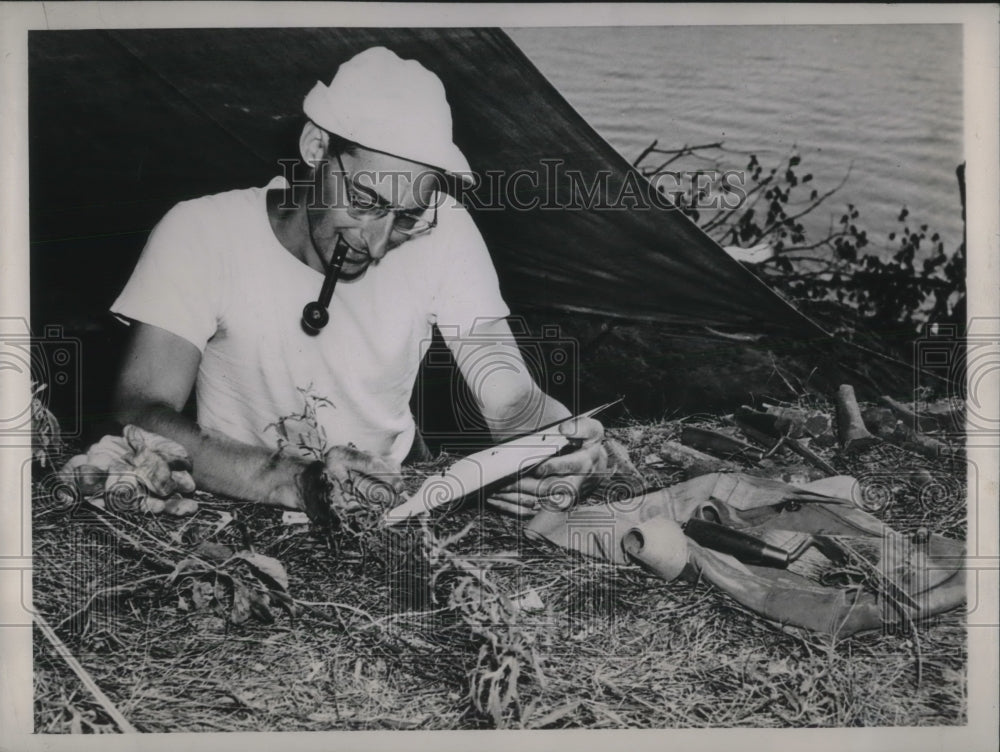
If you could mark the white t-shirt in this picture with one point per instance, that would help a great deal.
(214, 273)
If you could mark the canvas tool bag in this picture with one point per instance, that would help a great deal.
(855, 573)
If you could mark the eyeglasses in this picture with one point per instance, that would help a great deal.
(364, 203)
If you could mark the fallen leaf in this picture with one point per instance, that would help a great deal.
(267, 566)
(202, 594)
(214, 551)
(225, 518)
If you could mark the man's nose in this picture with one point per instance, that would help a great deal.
(376, 234)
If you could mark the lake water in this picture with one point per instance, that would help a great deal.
(886, 98)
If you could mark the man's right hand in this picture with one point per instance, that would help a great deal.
(357, 476)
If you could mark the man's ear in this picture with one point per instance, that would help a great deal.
(312, 143)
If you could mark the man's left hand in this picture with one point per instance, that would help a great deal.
(560, 481)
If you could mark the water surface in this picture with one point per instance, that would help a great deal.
(883, 100)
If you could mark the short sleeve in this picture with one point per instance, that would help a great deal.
(469, 287)
(177, 283)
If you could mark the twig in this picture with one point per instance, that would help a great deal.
(160, 561)
(777, 445)
(163, 544)
(742, 206)
(107, 591)
(88, 681)
(685, 149)
(652, 149)
(795, 248)
(650, 172)
(774, 365)
(904, 412)
(335, 605)
(645, 152)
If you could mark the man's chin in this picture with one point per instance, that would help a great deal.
(352, 272)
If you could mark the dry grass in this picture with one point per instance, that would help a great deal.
(411, 631)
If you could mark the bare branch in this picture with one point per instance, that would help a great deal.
(652, 149)
(645, 152)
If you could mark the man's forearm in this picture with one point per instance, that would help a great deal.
(221, 464)
(529, 413)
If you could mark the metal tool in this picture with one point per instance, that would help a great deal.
(758, 552)
(740, 545)
(478, 470)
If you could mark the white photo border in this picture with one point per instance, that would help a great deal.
(982, 142)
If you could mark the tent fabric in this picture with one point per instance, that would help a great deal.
(124, 123)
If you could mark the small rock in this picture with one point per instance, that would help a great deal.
(652, 459)
(323, 717)
(294, 518)
(530, 601)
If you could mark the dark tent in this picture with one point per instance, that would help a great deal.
(125, 123)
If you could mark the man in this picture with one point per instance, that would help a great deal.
(215, 304)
